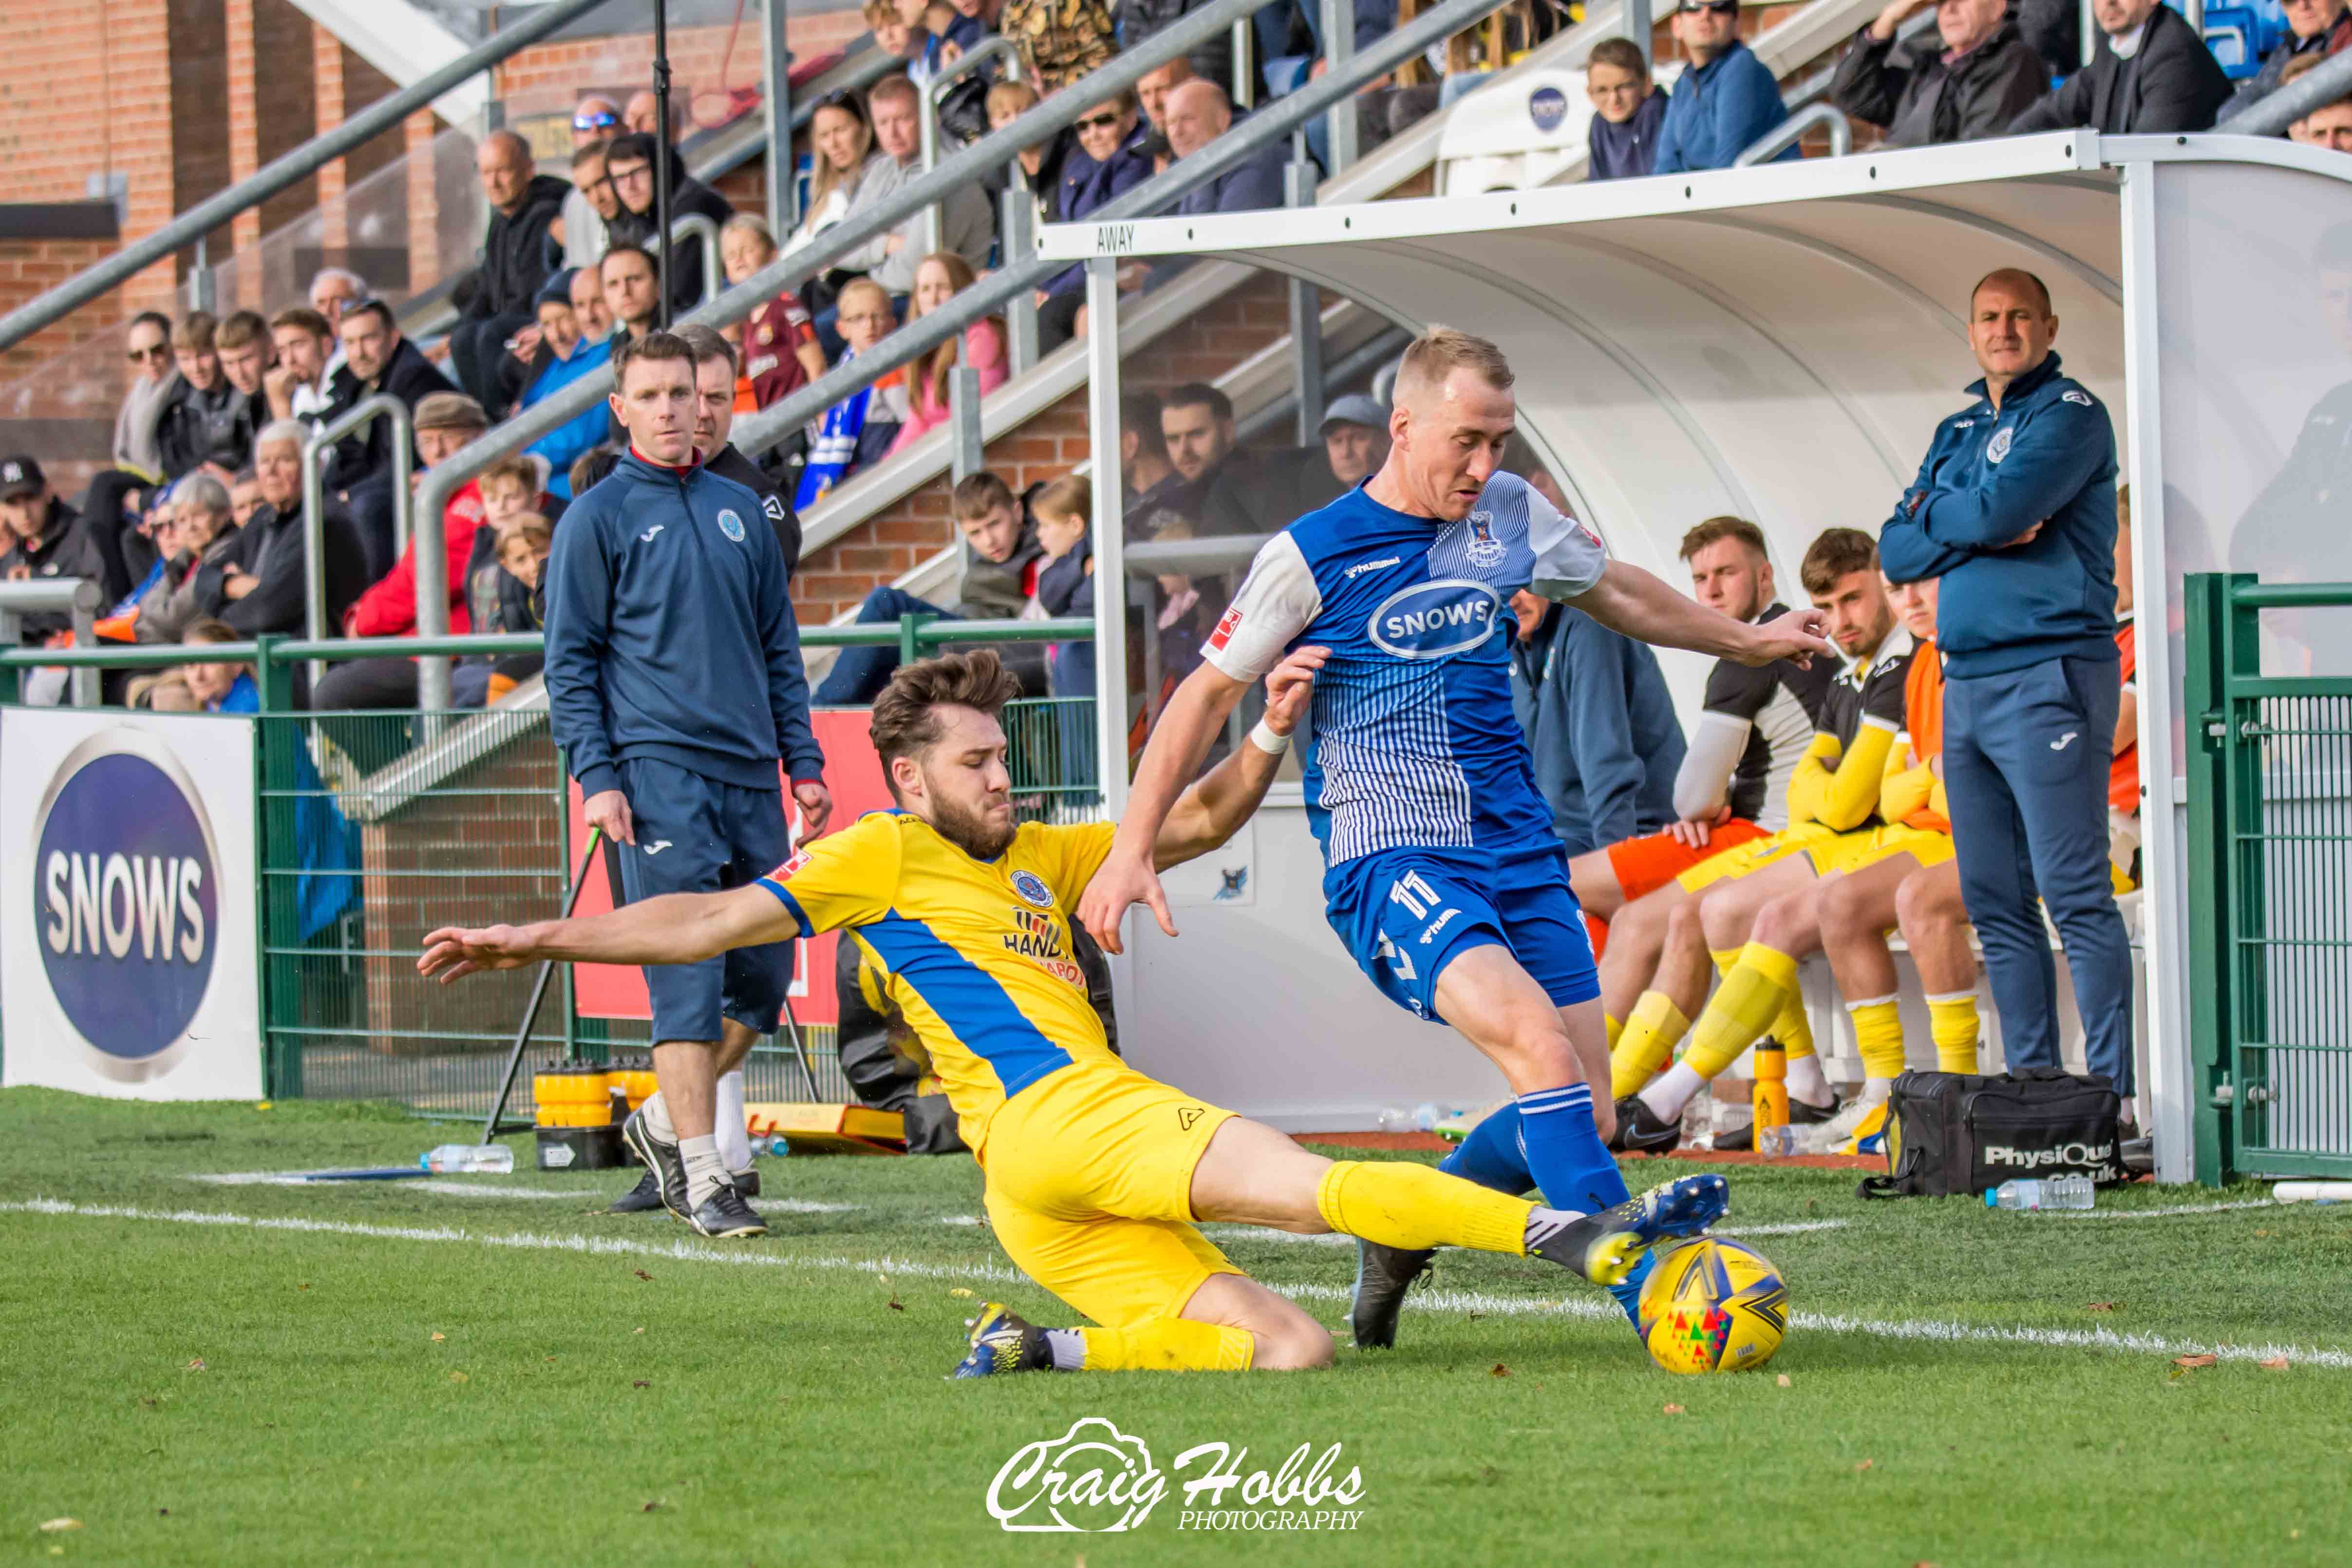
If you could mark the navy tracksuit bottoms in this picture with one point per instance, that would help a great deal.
(2026, 757)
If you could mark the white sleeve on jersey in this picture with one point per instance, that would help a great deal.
(1278, 601)
(1569, 558)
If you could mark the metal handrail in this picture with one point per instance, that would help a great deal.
(702, 226)
(992, 294)
(980, 55)
(78, 596)
(789, 271)
(365, 411)
(208, 216)
(2271, 116)
(1792, 130)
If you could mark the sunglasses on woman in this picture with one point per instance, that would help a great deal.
(1097, 122)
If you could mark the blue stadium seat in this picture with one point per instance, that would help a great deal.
(2241, 36)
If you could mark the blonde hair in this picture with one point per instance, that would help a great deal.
(528, 528)
(1073, 495)
(1020, 95)
(753, 224)
(860, 286)
(825, 176)
(515, 467)
(1438, 352)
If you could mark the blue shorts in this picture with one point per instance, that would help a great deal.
(1404, 914)
(696, 834)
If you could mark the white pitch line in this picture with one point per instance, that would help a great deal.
(1464, 1302)
(2164, 1212)
(416, 1184)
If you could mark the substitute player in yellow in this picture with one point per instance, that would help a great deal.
(1096, 1174)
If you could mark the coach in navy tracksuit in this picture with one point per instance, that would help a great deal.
(2015, 510)
(1600, 722)
(674, 685)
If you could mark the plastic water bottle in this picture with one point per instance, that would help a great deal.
(777, 1146)
(2050, 1193)
(468, 1157)
(1775, 1139)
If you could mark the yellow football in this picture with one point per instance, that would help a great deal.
(1712, 1305)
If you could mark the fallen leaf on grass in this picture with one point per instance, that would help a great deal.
(1865, 1465)
(636, 1331)
(643, 1275)
(302, 1286)
(2100, 1307)
(1673, 1410)
(651, 1506)
(1499, 1370)
(195, 1365)
(2275, 1363)
(439, 1338)
(2192, 1363)
(162, 1511)
(960, 1290)
(642, 1382)
(459, 1377)
(58, 1524)
(1784, 1380)
(895, 1304)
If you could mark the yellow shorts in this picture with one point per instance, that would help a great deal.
(1752, 856)
(1869, 846)
(1090, 1191)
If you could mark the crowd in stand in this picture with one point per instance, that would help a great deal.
(198, 520)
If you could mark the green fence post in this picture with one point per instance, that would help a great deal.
(2210, 929)
(910, 636)
(277, 734)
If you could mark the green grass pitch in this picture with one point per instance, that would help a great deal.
(255, 1374)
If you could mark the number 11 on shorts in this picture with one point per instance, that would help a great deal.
(1415, 894)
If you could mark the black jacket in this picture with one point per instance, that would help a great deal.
(2053, 29)
(515, 259)
(2265, 81)
(1139, 19)
(2172, 83)
(1923, 102)
(731, 464)
(270, 548)
(412, 378)
(199, 428)
(686, 195)
(64, 550)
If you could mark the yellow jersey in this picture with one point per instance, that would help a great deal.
(977, 954)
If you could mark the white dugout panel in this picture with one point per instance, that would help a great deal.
(1777, 343)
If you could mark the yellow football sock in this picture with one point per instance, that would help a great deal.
(1742, 1008)
(1616, 1027)
(1792, 1029)
(1879, 1035)
(1169, 1344)
(1726, 959)
(1414, 1206)
(1642, 1051)
(1953, 1018)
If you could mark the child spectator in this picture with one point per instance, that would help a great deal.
(523, 543)
(1038, 169)
(512, 489)
(939, 279)
(1627, 110)
(224, 687)
(1065, 578)
(860, 428)
(591, 467)
(779, 351)
(903, 39)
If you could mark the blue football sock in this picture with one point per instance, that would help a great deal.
(1491, 1155)
(1573, 1167)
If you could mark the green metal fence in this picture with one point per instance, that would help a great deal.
(2269, 759)
(376, 828)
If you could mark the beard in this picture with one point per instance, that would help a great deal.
(976, 834)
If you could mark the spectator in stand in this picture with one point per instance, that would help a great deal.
(1724, 100)
(2329, 125)
(1198, 422)
(1065, 571)
(1198, 113)
(524, 206)
(1002, 558)
(588, 307)
(335, 289)
(377, 358)
(1037, 168)
(262, 582)
(1600, 722)
(858, 429)
(244, 496)
(206, 421)
(44, 540)
(589, 203)
(563, 356)
(632, 291)
(907, 41)
(2301, 65)
(1152, 90)
(446, 422)
(221, 687)
(198, 545)
(780, 342)
(298, 386)
(2015, 509)
(1143, 464)
(2151, 73)
(630, 164)
(716, 366)
(850, 172)
(109, 506)
(967, 224)
(1137, 20)
(1108, 162)
(242, 345)
(1058, 40)
(1352, 441)
(524, 543)
(513, 488)
(939, 280)
(1978, 74)
(1627, 111)
(2315, 29)
(642, 116)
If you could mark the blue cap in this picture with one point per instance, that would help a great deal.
(557, 289)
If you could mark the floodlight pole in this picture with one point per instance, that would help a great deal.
(661, 162)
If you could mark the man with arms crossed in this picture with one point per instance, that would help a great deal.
(1445, 878)
(1096, 1174)
(674, 684)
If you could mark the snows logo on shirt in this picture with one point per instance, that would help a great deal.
(730, 525)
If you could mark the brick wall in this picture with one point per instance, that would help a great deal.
(550, 76)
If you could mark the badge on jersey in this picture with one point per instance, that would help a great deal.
(730, 525)
(1486, 550)
(783, 873)
(1033, 890)
(1998, 448)
(1227, 627)
(2081, 397)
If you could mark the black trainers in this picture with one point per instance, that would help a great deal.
(2135, 1149)
(725, 1214)
(1801, 1113)
(1384, 1273)
(1003, 1342)
(746, 1182)
(643, 1198)
(1640, 1130)
(663, 1163)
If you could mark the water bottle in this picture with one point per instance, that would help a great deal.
(468, 1157)
(1396, 1119)
(1775, 1139)
(777, 1146)
(2050, 1193)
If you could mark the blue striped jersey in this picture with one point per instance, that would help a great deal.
(1415, 743)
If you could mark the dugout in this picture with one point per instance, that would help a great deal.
(1776, 341)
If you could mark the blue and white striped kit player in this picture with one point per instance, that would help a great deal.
(1418, 782)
